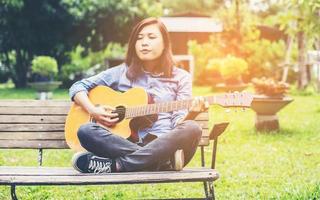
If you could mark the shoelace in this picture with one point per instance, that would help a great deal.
(98, 166)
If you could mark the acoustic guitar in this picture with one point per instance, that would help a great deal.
(135, 112)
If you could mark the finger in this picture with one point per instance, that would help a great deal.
(111, 115)
(113, 120)
(201, 99)
(206, 104)
(193, 103)
(196, 102)
(110, 122)
(104, 119)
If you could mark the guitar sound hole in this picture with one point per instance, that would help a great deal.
(121, 111)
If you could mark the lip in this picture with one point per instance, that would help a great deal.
(145, 51)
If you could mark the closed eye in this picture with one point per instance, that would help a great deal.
(139, 37)
(152, 36)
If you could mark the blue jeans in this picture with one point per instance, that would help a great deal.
(133, 157)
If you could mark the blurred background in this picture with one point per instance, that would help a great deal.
(218, 41)
(270, 48)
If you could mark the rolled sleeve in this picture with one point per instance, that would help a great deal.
(184, 92)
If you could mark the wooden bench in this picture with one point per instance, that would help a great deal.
(35, 124)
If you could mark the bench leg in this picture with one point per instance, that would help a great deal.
(40, 157)
(13, 192)
(205, 186)
(211, 190)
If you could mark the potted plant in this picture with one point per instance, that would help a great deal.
(230, 69)
(44, 69)
(271, 97)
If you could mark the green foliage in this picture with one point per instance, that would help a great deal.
(262, 56)
(4, 74)
(103, 21)
(233, 67)
(198, 6)
(230, 67)
(29, 28)
(81, 61)
(77, 65)
(242, 39)
(45, 66)
(44, 27)
(300, 15)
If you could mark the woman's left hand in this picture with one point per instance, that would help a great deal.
(199, 104)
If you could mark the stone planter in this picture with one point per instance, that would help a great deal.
(266, 109)
(44, 89)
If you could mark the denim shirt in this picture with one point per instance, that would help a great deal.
(178, 87)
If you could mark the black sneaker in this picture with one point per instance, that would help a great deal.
(86, 162)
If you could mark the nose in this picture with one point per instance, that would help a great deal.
(144, 42)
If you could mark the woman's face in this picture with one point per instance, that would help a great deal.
(149, 45)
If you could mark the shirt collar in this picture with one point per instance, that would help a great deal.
(153, 75)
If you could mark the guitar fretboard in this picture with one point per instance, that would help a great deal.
(150, 109)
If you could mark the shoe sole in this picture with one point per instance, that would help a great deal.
(178, 160)
(75, 157)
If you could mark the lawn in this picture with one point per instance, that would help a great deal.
(252, 165)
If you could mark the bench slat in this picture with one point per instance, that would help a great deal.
(69, 171)
(59, 135)
(54, 144)
(35, 103)
(31, 127)
(203, 116)
(48, 127)
(32, 119)
(34, 144)
(68, 176)
(48, 135)
(52, 110)
(204, 141)
(48, 140)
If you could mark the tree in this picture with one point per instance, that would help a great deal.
(52, 27)
(200, 6)
(29, 28)
(301, 20)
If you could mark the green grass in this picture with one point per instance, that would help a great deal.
(252, 165)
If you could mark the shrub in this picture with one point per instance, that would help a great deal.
(85, 63)
(233, 67)
(262, 56)
(44, 66)
(228, 69)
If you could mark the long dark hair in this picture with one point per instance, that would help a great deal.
(132, 60)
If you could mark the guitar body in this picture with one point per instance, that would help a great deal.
(102, 95)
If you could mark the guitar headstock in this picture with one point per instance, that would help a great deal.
(235, 99)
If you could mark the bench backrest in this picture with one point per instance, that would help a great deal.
(37, 124)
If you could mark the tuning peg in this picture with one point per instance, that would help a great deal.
(243, 109)
(228, 110)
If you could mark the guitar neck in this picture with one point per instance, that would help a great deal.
(170, 106)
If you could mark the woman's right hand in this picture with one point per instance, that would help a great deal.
(104, 116)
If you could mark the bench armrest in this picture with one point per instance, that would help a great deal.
(215, 132)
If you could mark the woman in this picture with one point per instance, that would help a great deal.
(171, 141)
